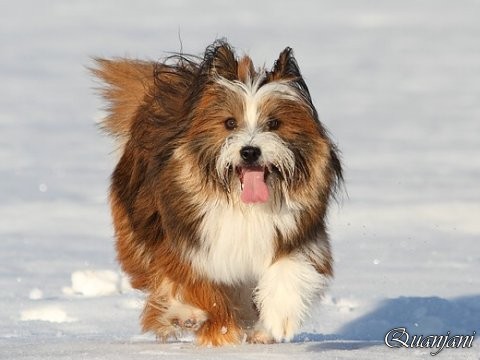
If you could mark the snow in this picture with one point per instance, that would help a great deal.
(396, 82)
(97, 283)
(35, 294)
(46, 313)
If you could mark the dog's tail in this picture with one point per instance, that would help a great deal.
(127, 84)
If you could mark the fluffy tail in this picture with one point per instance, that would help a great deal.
(127, 85)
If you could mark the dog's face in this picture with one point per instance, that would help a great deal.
(255, 134)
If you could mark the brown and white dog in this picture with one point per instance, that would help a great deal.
(220, 196)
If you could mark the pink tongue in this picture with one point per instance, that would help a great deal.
(254, 188)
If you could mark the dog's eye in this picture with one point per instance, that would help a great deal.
(273, 124)
(230, 124)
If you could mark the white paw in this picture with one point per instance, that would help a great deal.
(284, 294)
(282, 325)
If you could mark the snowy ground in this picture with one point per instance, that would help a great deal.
(396, 82)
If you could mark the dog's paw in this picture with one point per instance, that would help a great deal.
(186, 317)
(192, 323)
(278, 320)
(215, 334)
(259, 336)
(279, 328)
(283, 329)
(284, 294)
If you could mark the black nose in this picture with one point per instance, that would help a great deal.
(250, 154)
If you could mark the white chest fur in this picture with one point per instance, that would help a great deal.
(238, 240)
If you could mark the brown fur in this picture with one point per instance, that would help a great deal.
(170, 118)
(245, 69)
(130, 81)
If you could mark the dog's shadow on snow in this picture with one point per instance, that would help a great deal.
(419, 315)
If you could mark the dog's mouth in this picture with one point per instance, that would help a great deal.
(253, 183)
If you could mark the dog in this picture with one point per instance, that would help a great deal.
(220, 194)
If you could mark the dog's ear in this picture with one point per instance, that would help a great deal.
(285, 67)
(127, 84)
(221, 61)
(246, 70)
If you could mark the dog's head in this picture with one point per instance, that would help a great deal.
(255, 132)
(248, 134)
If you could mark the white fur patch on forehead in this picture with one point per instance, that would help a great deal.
(255, 95)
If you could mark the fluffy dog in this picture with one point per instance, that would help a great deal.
(220, 195)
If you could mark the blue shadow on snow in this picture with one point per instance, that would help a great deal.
(420, 315)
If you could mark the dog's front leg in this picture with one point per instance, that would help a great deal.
(283, 296)
(221, 327)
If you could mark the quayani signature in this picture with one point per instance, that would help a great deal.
(399, 337)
